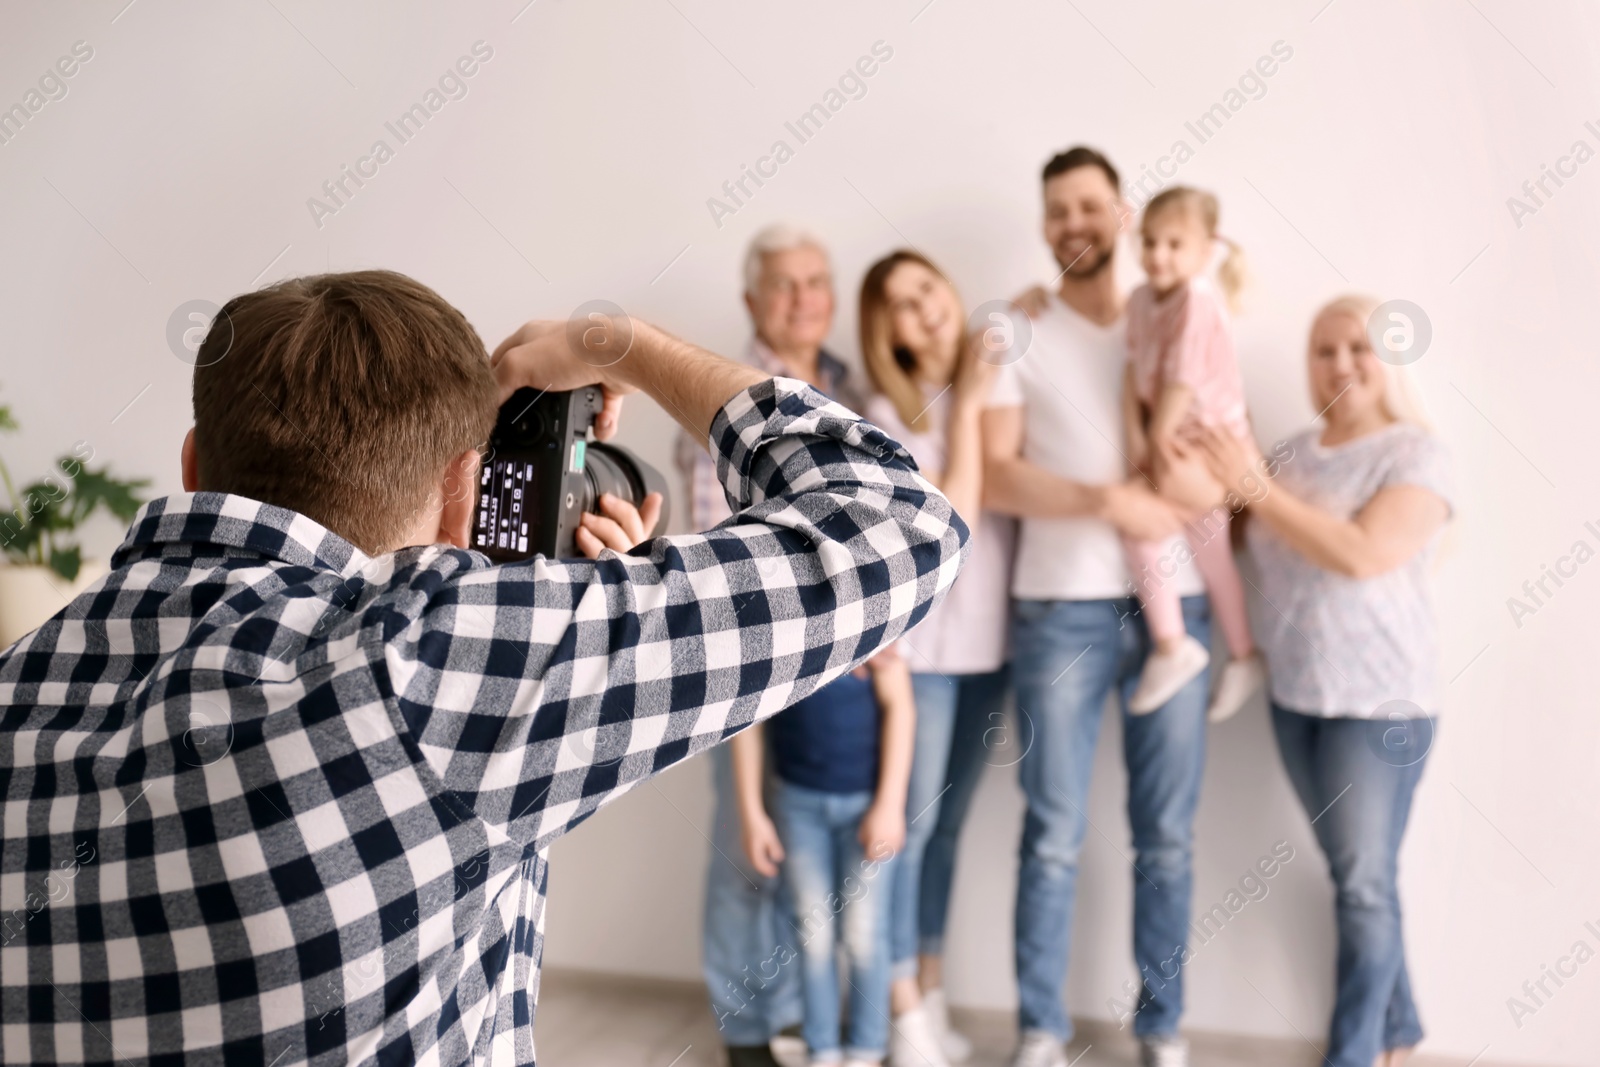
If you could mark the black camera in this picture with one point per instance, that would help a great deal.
(543, 471)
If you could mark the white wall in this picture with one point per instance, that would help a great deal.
(1381, 156)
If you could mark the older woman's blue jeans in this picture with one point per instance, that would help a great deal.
(1355, 778)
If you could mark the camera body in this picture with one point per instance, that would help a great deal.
(543, 471)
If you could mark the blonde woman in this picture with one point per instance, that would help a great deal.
(930, 390)
(1342, 537)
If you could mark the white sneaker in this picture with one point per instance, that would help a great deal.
(1039, 1048)
(789, 1050)
(913, 1041)
(1238, 683)
(1168, 1050)
(957, 1049)
(1167, 672)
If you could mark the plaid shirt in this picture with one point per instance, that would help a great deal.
(708, 504)
(267, 800)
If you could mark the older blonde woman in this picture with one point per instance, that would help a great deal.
(1342, 537)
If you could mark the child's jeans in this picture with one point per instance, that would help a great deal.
(840, 895)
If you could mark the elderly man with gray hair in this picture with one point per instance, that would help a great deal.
(751, 962)
(788, 290)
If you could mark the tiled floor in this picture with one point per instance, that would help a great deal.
(591, 1020)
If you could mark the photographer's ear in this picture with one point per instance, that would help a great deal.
(190, 461)
(458, 491)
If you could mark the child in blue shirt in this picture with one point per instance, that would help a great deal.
(841, 762)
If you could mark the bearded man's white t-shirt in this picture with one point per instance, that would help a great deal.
(1069, 384)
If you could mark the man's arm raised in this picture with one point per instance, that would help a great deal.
(539, 691)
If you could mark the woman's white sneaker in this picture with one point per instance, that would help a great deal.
(1167, 672)
(913, 1041)
(957, 1049)
(1039, 1048)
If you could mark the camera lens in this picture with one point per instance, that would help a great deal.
(614, 470)
(606, 471)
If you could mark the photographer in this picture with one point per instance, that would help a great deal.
(320, 749)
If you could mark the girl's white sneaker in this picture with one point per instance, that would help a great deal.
(1167, 672)
(1238, 683)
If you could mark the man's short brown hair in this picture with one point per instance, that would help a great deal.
(1081, 156)
(342, 397)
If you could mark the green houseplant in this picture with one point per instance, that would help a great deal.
(44, 561)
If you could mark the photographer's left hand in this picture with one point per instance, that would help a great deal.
(620, 527)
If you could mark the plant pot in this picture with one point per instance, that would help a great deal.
(30, 595)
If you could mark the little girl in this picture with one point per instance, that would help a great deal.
(1181, 376)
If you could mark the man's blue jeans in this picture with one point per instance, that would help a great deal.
(841, 896)
(1355, 778)
(1067, 656)
(954, 711)
(750, 957)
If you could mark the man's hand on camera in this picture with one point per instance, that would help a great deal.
(621, 354)
(620, 527)
(552, 355)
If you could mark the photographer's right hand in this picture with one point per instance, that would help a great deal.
(622, 354)
(541, 355)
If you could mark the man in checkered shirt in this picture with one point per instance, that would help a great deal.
(280, 788)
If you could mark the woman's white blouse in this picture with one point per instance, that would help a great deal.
(968, 633)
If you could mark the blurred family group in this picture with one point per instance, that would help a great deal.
(1098, 444)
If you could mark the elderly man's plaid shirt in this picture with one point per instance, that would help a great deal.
(267, 800)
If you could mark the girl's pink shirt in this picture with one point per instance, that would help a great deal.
(1186, 337)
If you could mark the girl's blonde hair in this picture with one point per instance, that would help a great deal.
(1231, 273)
(1401, 397)
(887, 365)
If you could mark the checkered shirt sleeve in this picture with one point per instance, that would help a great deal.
(707, 503)
(266, 800)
